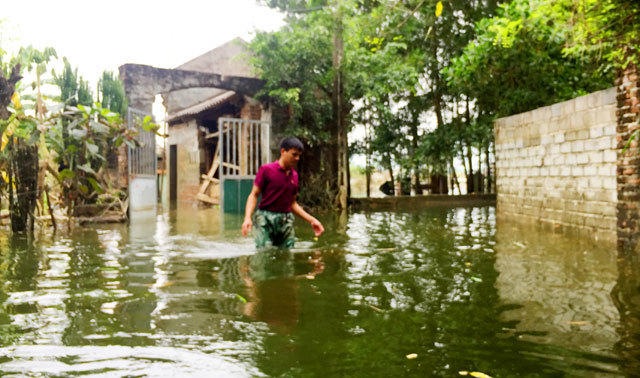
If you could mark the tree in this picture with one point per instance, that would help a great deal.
(21, 137)
(303, 66)
(67, 142)
(74, 90)
(112, 94)
(518, 63)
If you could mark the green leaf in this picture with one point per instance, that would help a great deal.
(130, 143)
(98, 127)
(96, 185)
(78, 134)
(92, 148)
(87, 168)
(66, 174)
(71, 149)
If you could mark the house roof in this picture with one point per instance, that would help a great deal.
(228, 59)
(200, 107)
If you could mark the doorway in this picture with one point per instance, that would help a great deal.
(173, 172)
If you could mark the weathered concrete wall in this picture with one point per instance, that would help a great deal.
(557, 164)
(185, 136)
(420, 202)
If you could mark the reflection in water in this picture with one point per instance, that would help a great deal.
(559, 288)
(183, 294)
(626, 296)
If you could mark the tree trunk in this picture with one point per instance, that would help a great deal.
(367, 156)
(470, 180)
(7, 88)
(414, 149)
(341, 139)
(390, 168)
(435, 71)
(23, 189)
(488, 162)
(479, 182)
(464, 164)
(455, 177)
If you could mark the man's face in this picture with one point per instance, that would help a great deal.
(290, 158)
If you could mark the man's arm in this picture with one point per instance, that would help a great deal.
(318, 229)
(252, 201)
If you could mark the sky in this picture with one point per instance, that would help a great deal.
(102, 35)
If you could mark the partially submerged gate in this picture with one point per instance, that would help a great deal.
(242, 147)
(142, 165)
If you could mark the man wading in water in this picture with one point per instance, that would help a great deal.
(277, 182)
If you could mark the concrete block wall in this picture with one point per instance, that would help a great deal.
(557, 164)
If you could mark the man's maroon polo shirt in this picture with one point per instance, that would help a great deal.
(278, 187)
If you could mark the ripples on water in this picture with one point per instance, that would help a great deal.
(184, 295)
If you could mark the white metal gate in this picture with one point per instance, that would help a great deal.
(142, 163)
(244, 147)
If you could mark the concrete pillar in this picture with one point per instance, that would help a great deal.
(628, 163)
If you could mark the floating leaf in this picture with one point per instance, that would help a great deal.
(439, 9)
(478, 374)
(376, 308)
(412, 356)
(520, 244)
(477, 279)
(463, 372)
(241, 298)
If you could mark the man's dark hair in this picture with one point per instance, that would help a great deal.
(291, 142)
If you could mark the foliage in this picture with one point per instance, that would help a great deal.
(70, 142)
(518, 63)
(73, 89)
(606, 28)
(296, 64)
(112, 93)
(81, 156)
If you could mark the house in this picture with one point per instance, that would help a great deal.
(194, 139)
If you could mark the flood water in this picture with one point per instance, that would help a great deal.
(184, 295)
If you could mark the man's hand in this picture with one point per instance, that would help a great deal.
(317, 227)
(246, 227)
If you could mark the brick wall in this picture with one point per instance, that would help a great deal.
(557, 164)
(627, 101)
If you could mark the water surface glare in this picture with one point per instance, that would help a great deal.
(427, 293)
